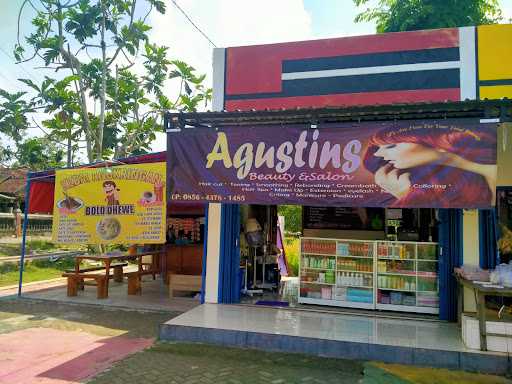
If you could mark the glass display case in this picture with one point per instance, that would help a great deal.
(407, 276)
(388, 275)
(337, 272)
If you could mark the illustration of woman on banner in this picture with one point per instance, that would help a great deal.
(453, 166)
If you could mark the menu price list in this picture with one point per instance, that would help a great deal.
(71, 230)
(151, 219)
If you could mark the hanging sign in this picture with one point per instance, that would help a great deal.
(423, 164)
(119, 205)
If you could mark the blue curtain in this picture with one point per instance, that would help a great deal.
(229, 268)
(488, 238)
(450, 256)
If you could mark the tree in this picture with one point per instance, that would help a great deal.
(410, 15)
(13, 120)
(292, 217)
(39, 154)
(96, 97)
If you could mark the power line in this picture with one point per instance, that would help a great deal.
(193, 24)
(21, 66)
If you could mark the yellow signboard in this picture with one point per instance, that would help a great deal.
(110, 205)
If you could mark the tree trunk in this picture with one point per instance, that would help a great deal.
(103, 91)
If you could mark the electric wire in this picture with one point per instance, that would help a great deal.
(21, 66)
(193, 24)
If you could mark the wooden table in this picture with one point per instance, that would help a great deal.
(107, 259)
(481, 292)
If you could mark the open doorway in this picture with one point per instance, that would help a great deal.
(384, 259)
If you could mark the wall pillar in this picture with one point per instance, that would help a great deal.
(470, 251)
(211, 287)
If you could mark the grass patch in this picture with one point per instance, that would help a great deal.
(37, 270)
(291, 247)
(39, 246)
(420, 375)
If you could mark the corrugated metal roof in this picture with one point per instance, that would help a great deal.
(12, 181)
(468, 108)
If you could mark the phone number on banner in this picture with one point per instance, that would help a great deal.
(198, 197)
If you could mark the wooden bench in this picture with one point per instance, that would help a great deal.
(135, 281)
(117, 267)
(189, 283)
(77, 281)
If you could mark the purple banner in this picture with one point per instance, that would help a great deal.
(422, 164)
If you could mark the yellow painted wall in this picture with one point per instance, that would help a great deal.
(495, 59)
(470, 251)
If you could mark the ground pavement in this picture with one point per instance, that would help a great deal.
(49, 343)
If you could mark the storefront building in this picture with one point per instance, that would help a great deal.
(383, 252)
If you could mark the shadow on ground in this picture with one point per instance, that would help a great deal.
(18, 314)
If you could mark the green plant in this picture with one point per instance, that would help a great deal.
(291, 247)
(292, 217)
(60, 264)
(97, 101)
(410, 15)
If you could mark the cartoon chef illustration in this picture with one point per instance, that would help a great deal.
(111, 192)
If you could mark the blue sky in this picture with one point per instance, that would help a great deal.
(227, 22)
(305, 19)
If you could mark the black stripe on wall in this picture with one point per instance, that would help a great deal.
(372, 60)
(484, 83)
(381, 82)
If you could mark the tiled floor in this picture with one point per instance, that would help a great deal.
(155, 296)
(347, 336)
(329, 326)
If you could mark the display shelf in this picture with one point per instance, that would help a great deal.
(422, 275)
(407, 308)
(354, 286)
(319, 254)
(354, 257)
(412, 274)
(317, 283)
(352, 270)
(336, 303)
(370, 256)
(395, 289)
(319, 269)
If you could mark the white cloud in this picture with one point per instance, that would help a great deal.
(506, 10)
(227, 23)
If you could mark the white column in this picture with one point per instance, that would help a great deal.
(211, 294)
(468, 59)
(211, 286)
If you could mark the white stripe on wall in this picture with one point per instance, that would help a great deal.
(219, 63)
(370, 70)
(468, 65)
